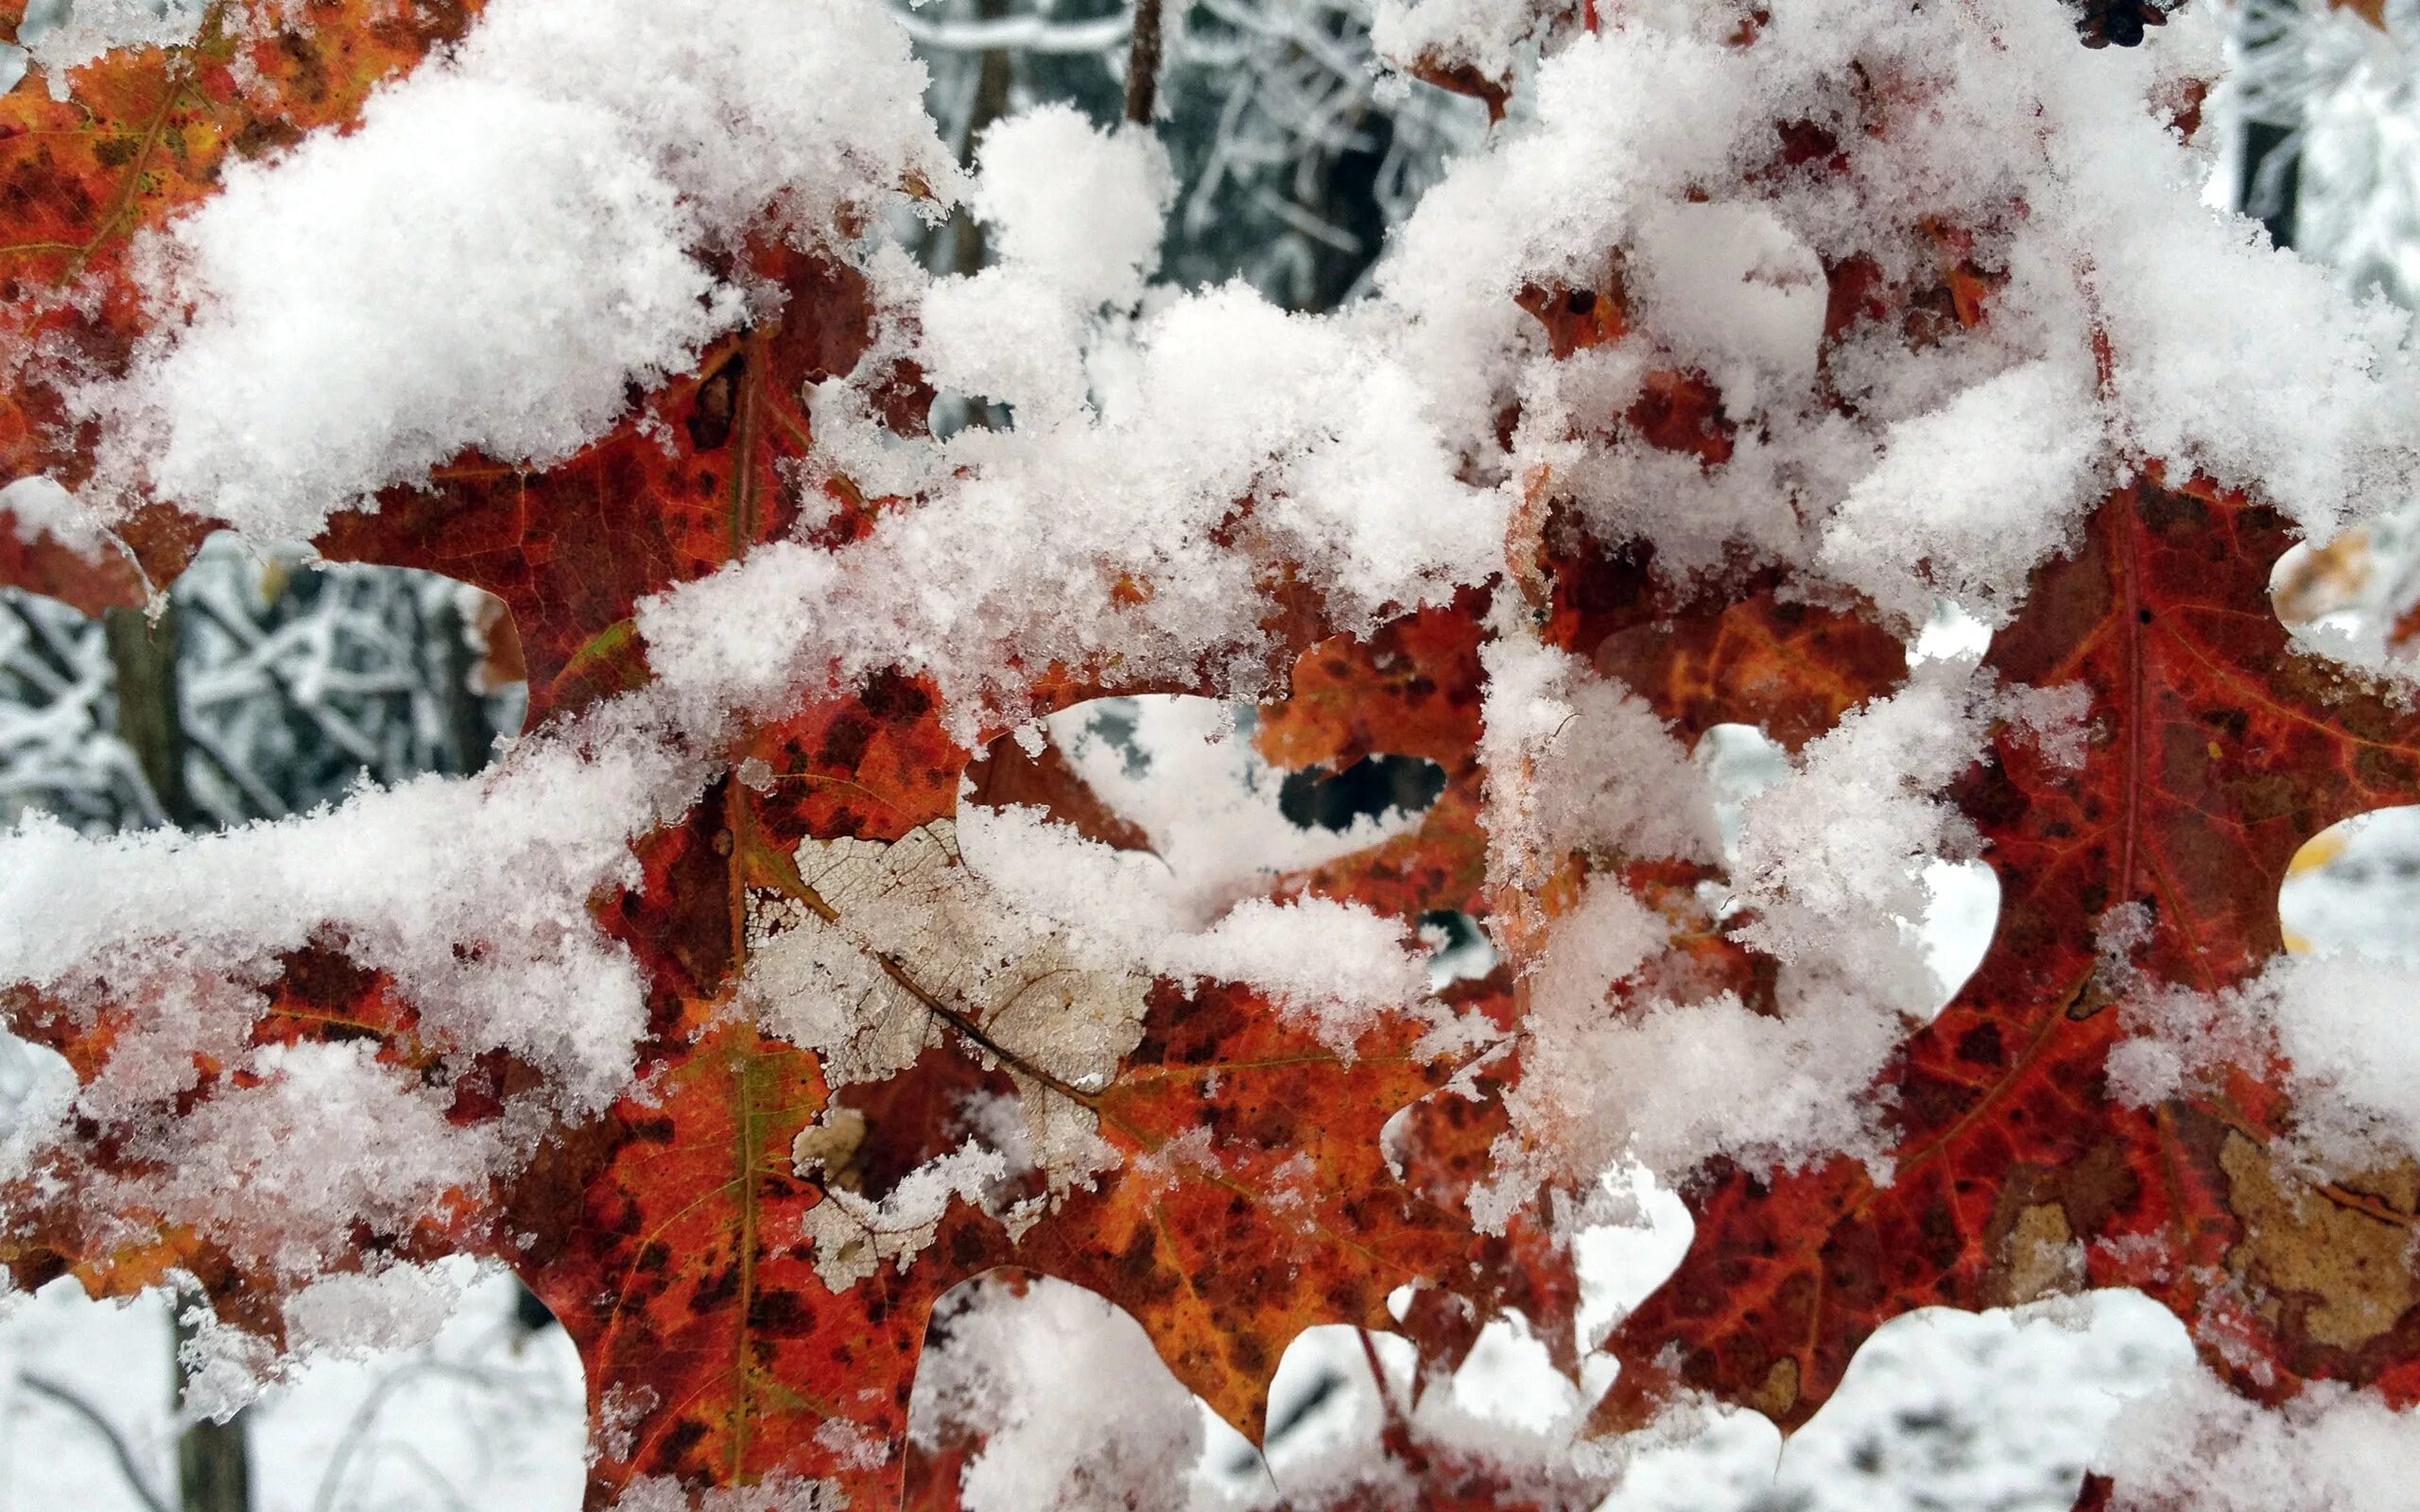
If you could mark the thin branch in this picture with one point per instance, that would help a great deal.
(1031, 33)
(436, 1477)
(357, 1432)
(1143, 63)
(92, 1419)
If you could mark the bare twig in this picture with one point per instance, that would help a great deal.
(357, 1432)
(91, 1416)
(1143, 63)
(1031, 33)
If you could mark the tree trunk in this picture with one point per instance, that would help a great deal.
(213, 1460)
(144, 657)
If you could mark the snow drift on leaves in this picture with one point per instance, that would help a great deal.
(345, 319)
(1655, 138)
(2197, 1443)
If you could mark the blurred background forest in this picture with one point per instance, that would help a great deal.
(267, 685)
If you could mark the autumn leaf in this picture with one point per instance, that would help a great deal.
(2215, 749)
(1724, 649)
(1413, 688)
(696, 474)
(146, 134)
(865, 1075)
(759, 1236)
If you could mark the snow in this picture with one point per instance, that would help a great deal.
(1733, 289)
(78, 34)
(1014, 340)
(853, 1235)
(1336, 965)
(2339, 1016)
(1186, 772)
(1832, 858)
(2037, 1385)
(1198, 904)
(41, 506)
(2002, 1408)
(1071, 206)
(1857, 877)
(774, 1493)
(1677, 1084)
(1576, 760)
(341, 321)
(2344, 1024)
(1653, 136)
(1485, 36)
(1014, 548)
(1968, 498)
(237, 1151)
(1070, 1403)
(365, 1315)
(1075, 217)
(526, 848)
(337, 346)
(2326, 1448)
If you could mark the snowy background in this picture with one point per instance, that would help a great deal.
(287, 683)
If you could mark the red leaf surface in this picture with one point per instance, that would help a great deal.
(1253, 1201)
(2215, 749)
(683, 486)
(1413, 689)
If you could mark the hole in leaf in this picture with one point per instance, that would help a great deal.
(2355, 887)
(1621, 1264)
(1741, 760)
(265, 688)
(1961, 912)
(877, 1134)
(1371, 788)
(1173, 774)
(1461, 952)
(485, 1407)
(1339, 1394)
(1952, 632)
(1325, 1399)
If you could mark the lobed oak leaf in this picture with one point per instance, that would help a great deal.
(2212, 750)
(762, 1229)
